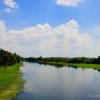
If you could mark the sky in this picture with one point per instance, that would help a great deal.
(50, 28)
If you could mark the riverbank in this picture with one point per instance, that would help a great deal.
(76, 65)
(10, 81)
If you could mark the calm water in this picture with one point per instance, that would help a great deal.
(45, 82)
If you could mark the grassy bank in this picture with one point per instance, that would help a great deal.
(10, 81)
(94, 66)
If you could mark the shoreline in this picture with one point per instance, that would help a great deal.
(10, 89)
(75, 65)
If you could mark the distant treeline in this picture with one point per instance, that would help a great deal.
(65, 60)
(8, 59)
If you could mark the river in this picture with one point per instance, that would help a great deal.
(46, 82)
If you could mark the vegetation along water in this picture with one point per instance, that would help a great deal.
(10, 81)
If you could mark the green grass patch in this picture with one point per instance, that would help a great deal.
(10, 81)
(94, 66)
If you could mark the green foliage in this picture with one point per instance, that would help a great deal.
(18, 58)
(74, 65)
(8, 59)
(80, 60)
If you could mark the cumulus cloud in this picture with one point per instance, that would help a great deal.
(69, 2)
(95, 31)
(45, 40)
(2, 27)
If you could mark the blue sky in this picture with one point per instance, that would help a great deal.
(50, 27)
(33, 12)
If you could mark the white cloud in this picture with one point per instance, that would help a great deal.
(95, 31)
(45, 40)
(11, 6)
(8, 10)
(11, 3)
(2, 27)
(69, 2)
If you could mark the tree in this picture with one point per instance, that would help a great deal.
(7, 58)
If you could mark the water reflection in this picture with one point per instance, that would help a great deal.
(44, 82)
(55, 65)
(97, 69)
(58, 65)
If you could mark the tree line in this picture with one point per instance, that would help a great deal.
(85, 60)
(8, 58)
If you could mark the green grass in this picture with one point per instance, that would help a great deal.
(10, 81)
(94, 66)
